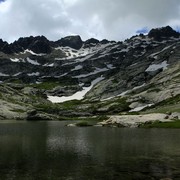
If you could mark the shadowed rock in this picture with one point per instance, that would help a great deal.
(160, 33)
(74, 42)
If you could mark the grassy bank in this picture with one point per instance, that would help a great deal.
(158, 124)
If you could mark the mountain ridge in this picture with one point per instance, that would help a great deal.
(115, 76)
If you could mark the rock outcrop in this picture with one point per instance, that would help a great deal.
(38, 44)
(134, 120)
(74, 42)
(165, 32)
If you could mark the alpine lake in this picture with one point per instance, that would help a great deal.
(50, 150)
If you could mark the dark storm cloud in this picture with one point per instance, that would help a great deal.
(111, 19)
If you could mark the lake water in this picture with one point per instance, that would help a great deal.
(49, 150)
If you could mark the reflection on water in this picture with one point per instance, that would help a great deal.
(49, 150)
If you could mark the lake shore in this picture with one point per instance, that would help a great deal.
(138, 120)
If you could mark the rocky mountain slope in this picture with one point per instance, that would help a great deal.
(89, 78)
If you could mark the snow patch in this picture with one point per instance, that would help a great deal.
(17, 74)
(32, 61)
(49, 65)
(33, 53)
(133, 64)
(155, 55)
(155, 67)
(78, 67)
(84, 53)
(110, 66)
(2, 74)
(123, 93)
(140, 108)
(97, 70)
(61, 75)
(34, 74)
(77, 96)
(15, 60)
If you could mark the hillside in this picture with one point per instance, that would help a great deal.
(41, 79)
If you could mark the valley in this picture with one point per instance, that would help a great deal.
(72, 79)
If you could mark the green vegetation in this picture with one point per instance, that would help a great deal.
(167, 106)
(14, 80)
(164, 109)
(48, 108)
(46, 85)
(89, 110)
(71, 104)
(172, 100)
(158, 124)
(19, 110)
(130, 113)
(112, 106)
(50, 83)
(94, 118)
(154, 90)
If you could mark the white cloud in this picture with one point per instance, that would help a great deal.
(110, 19)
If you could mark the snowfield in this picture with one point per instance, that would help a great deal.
(155, 67)
(77, 96)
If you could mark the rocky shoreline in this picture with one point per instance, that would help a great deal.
(137, 120)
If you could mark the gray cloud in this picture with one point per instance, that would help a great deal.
(111, 19)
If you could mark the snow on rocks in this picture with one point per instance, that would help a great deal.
(123, 93)
(97, 70)
(78, 67)
(154, 67)
(17, 74)
(34, 74)
(84, 53)
(140, 108)
(32, 61)
(15, 60)
(48, 65)
(33, 53)
(155, 55)
(2, 74)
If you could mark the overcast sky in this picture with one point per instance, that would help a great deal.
(110, 19)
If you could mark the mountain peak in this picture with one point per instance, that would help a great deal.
(71, 41)
(38, 44)
(164, 32)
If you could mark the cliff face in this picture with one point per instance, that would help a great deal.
(139, 72)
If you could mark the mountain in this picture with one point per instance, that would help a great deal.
(105, 77)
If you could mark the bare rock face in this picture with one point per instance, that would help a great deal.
(4, 47)
(38, 44)
(74, 42)
(164, 32)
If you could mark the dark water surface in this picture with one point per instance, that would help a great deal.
(49, 150)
